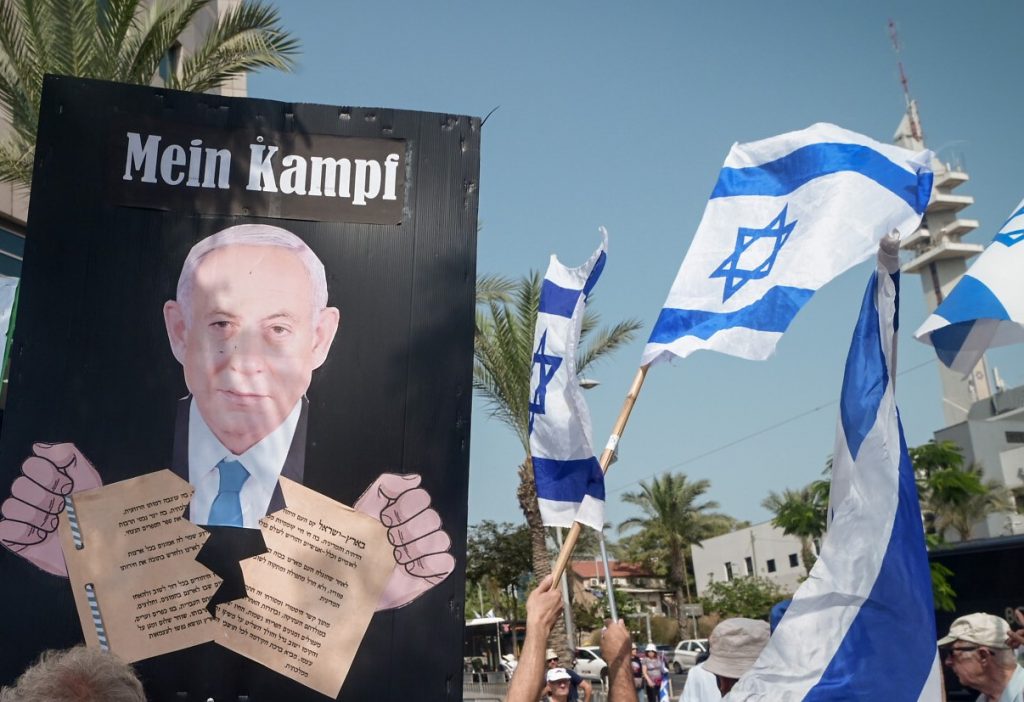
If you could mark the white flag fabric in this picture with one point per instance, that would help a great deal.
(862, 627)
(986, 308)
(787, 215)
(570, 484)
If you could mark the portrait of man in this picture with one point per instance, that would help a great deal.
(249, 325)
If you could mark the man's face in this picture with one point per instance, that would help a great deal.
(964, 658)
(250, 341)
(552, 662)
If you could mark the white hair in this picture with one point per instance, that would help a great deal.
(252, 235)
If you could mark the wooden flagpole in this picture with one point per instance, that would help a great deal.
(606, 458)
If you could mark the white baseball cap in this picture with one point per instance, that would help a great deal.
(558, 674)
(979, 628)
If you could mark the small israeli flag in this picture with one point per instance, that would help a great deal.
(986, 308)
(868, 599)
(786, 216)
(663, 695)
(570, 484)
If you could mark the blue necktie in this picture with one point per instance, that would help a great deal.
(226, 509)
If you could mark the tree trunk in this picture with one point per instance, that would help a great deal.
(527, 494)
(678, 574)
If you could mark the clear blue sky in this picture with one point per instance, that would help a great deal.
(620, 114)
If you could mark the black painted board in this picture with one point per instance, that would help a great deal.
(91, 363)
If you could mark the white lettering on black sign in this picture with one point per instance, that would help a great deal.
(301, 176)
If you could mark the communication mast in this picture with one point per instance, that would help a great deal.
(937, 253)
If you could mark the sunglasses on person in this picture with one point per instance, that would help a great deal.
(957, 651)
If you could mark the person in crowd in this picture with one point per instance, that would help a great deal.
(735, 645)
(654, 670)
(976, 649)
(77, 674)
(1015, 636)
(576, 683)
(636, 667)
(543, 607)
(559, 684)
(700, 686)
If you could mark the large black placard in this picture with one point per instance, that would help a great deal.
(91, 362)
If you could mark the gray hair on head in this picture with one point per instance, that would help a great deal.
(252, 235)
(78, 674)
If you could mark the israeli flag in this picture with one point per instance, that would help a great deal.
(986, 308)
(570, 484)
(868, 600)
(663, 695)
(787, 215)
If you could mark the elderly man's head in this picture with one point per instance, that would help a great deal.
(78, 674)
(249, 325)
(977, 652)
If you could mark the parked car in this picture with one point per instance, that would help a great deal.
(685, 655)
(590, 665)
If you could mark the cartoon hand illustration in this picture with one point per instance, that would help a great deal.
(29, 524)
(414, 529)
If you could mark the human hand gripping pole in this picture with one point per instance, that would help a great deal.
(414, 529)
(31, 513)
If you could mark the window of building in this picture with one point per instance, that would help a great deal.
(771, 565)
(728, 571)
(793, 560)
(170, 63)
(1015, 437)
(749, 562)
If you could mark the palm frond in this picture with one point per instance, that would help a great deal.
(247, 38)
(607, 341)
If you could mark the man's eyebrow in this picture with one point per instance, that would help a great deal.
(218, 312)
(279, 315)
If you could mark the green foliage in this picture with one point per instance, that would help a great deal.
(665, 630)
(674, 519)
(802, 513)
(750, 596)
(498, 557)
(125, 41)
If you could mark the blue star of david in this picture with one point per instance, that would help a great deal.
(736, 277)
(547, 366)
(1012, 237)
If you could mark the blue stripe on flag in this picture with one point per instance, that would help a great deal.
(772, 313)
(557, 300)
(866, 375)
(971, 299)
(784, 175)
(568, 481)
(888, 626)
(949, 340)
(595, 273)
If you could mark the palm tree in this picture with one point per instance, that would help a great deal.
(505, 322)
(952, 496)
(674, 516)
(801, 513)
(125, 41)
(958, 499)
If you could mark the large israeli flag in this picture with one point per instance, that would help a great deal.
(862, 626)
(570, 484)
(786, 216)
(986, 308)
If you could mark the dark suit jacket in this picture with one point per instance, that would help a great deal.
(293, 463)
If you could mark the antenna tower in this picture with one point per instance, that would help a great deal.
(915, 126)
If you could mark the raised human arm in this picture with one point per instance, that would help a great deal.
(543, 607)
(615, 649)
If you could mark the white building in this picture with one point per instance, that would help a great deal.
(761, 550)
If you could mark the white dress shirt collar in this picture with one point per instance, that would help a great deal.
(264, 461)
